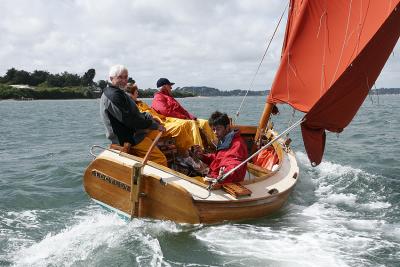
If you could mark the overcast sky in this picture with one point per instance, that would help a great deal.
(214, 43)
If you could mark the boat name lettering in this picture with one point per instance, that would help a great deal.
(111, 180)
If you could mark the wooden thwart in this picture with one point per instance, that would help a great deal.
(236, 190)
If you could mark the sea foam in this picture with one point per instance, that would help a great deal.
(93, 233)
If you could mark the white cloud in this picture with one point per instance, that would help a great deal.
(211, 42)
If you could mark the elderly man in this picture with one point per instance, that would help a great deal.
(164, 103)
(123, 120)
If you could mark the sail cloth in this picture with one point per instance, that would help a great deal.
(332, 54)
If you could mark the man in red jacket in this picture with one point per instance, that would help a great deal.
(231, 150)
(164, 103)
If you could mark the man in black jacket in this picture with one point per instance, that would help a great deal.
(123, 120)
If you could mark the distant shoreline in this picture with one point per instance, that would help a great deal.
(28, 93)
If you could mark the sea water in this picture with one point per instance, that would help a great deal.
(344, 212)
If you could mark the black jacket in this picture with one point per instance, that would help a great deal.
(122, 117)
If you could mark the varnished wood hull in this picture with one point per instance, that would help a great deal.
(235, 211)
(167, 195)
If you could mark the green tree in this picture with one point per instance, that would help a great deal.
(71, 79)
(102, 84)
(38, 77)
(64, 79)
(55, 80)
(21, 77)
(87, 78)
(10, 74)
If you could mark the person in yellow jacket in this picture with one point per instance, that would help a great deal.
(185, 132)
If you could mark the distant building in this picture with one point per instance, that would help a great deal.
(21, 86)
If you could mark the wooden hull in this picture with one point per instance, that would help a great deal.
(167, 195)
(235, 211)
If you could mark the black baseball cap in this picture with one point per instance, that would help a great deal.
(163, 81)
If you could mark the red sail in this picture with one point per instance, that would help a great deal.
(332, 54)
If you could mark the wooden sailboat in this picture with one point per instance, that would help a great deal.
(162, 193)
(350, 43)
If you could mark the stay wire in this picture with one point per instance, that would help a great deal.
(259, 65)
(291, 119)
(222, 178)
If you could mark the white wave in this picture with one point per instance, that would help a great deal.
(377, 205)
(392, 231)
(322, 217)
(328, 169)
(262, 246)
(16, 226)
(365, 225)
(319, 209)
(350, 238)
(348, 199)
(72, 244)
(94, 232)
(156, 228)
(333, 180)
(26, 219)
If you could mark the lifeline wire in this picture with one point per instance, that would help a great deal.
(261, 149)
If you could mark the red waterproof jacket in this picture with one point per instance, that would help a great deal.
(230, 153)
(167, 105)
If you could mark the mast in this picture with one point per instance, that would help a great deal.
(263, 121)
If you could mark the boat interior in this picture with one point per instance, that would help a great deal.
(256, 170)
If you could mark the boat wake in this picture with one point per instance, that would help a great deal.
(97, 238)
(340, 220)
(345, 186)
(341, 224)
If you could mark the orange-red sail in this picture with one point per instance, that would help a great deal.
(332, 54)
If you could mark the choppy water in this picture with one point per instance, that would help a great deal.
(345, 212)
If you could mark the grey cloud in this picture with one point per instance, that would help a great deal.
(212, 42)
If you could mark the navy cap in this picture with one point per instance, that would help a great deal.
(163, 81)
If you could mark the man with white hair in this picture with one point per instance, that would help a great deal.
(123, 120)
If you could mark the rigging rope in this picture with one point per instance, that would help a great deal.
(222, 178)
(259, 65)
(291, 120)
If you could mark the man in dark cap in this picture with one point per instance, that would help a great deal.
(164, 103)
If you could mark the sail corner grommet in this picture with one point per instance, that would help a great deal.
(313, 164)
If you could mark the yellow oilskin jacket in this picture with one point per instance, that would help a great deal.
(185, 132)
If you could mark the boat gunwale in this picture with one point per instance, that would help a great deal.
(204, 186)
(278, 146)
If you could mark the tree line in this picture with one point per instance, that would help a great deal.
(210, 91)
(45, 85)
(44, 78)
